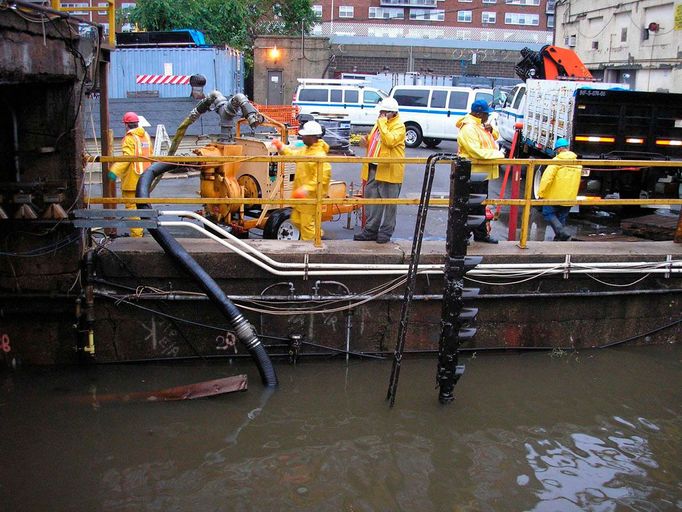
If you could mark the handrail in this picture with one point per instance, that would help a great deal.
(527, 202)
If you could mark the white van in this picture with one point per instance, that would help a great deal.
(330, 98)
(430, 112)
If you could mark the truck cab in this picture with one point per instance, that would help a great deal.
(509, 107)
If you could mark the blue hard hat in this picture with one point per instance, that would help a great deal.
(561, 143)
(480, 107)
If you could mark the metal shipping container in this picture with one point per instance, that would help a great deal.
(222, 67)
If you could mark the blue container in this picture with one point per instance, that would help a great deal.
(222, 67)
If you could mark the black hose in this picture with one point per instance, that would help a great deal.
(243, 329)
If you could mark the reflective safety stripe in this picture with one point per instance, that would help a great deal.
(143, 147)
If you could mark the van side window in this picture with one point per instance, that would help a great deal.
(519, 96)
(350, 96)
(370, 97)
(438, 99)
(484, 96)
(335, 95)
(314, 95)
(458, 100)
(414, 98)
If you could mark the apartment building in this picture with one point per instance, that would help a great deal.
(412, 21)
(99, 17)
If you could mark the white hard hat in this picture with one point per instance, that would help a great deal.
(311, 128)
(388, 105)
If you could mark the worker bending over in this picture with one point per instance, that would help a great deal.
(305, 179)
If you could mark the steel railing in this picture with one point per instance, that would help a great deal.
(527, 202)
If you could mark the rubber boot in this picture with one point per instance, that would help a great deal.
(559, 230)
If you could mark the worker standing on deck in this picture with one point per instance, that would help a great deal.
(477, 141)
(560, 181)
(383, 181)
(305, 179)
(136, 142)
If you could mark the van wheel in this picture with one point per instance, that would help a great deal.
(413, 136)
(431, 143)
(279, 226)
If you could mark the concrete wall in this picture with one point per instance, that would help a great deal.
(439, 61)
(298, 58)
(324, 60)
(545, 312)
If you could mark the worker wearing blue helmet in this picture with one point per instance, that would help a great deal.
(560, 181)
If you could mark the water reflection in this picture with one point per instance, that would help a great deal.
(525, 433)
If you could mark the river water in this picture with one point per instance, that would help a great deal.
(595, 430)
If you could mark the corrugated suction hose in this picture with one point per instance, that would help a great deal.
(244, 330)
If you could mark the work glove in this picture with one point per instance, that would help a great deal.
(300, 193)
(112, 176)
(278, 144)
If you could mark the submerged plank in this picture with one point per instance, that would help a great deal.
(186, 392)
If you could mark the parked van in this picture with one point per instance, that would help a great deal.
(430, 112)
(333, 98)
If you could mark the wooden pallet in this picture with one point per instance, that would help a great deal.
(652, 227)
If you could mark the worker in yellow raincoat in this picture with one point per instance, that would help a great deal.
(305, 179)
(477, 141)
(383, 180)
(560, 181)
(136, 142)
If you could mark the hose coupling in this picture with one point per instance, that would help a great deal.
(246, 333)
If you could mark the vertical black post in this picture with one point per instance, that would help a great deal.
(455, 317)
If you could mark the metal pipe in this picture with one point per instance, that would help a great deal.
(243, 329)
(250, 253)
(179, 297)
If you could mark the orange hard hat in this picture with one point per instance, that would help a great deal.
(130, 117)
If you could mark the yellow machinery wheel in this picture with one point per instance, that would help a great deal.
(250, 186)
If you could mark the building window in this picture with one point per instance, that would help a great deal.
(128, 5)
(488, 18)
(346, 11)
(466, 1)
(464, 16)
(550, 7)
(386, 13)
(550, 21)
(512, 18)
(79, 4)
(427, 14)
(624, 35)
(489, 1)
(317, 9)
(522, 2)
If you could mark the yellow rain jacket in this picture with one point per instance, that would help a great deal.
(561, 181)
(477, 143)
(392, 146)
(303, 215)
(135, 143)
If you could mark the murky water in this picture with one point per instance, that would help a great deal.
(594, 431)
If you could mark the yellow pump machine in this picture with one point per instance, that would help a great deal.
(248, 179)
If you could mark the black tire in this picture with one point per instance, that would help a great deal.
(279, 226)
(431, 143)
(413, 136)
